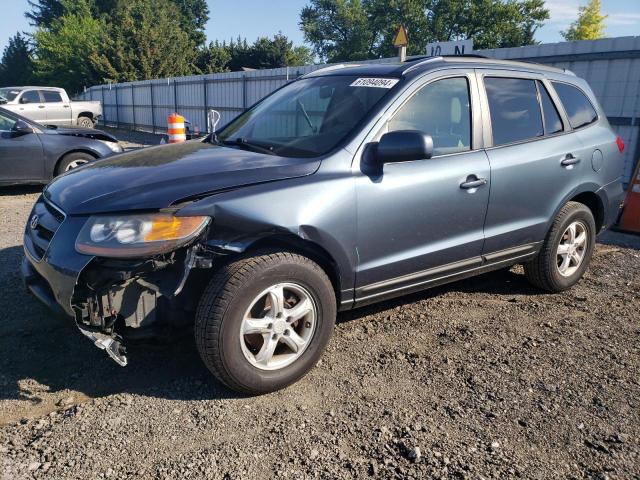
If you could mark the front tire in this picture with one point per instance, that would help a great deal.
(264, 321)
(566, 251)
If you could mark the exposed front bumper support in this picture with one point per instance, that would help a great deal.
(112, 344)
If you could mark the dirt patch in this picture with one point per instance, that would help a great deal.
(485, 378)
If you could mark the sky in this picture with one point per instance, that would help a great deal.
(255, 18)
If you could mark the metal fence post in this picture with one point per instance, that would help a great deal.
(153, 109)
(175, 96)
(204, 91)
(133, 105)
(104, 110)
(244, 91)
(117, 108)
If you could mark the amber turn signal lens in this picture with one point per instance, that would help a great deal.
(172, 228)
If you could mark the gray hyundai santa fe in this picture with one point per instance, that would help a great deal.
(348, 186)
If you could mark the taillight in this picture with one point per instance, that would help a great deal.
(620, 144)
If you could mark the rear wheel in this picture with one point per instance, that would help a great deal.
(567, 250)
(264, 321)
(73, 160)
(86, 122)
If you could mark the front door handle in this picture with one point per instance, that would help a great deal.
(569, 160)
(473, 182)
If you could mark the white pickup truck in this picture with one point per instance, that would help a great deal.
(50, 106)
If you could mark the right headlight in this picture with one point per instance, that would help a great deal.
(113, 146)
(144, 235)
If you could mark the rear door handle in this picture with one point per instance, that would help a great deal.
(471, 183)
(569, 160)
(40, 106)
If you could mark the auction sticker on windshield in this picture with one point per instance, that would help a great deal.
(375, 82)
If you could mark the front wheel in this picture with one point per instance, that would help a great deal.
(73, 160)
(567, 250)
(265, 320)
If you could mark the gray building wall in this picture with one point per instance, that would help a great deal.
(611, 66)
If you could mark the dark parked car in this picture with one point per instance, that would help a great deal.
(34, 153)
(351, 185)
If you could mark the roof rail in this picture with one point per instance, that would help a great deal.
(419, 63)
(329, 68)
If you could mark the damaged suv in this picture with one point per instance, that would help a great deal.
(348, 186)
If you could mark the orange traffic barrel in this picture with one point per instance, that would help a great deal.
(630, 220)
(175, 128)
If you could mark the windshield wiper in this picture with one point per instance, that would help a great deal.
(250, 145)
(306, 116)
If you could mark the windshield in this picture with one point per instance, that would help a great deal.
(307, 118)
(8, 94)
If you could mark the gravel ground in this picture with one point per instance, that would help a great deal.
(485, 378)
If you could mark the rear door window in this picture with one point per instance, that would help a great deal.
(515, 111)
(440, 109)
(576, 104)
(50, 96)
(552, 121)
(30, 96)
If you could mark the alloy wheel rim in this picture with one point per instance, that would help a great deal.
(76, 164)
(278, 326)
(572, 249)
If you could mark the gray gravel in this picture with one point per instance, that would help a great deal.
(485, 378)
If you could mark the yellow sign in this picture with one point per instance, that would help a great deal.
(401, 37)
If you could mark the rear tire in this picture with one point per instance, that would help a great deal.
(86, 122)
(255, 339)
(566, 251)
(73, 160)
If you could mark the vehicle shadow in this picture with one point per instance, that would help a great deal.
(41, 353)
(17, 190)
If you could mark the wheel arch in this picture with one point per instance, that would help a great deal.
(85, 114)
(307, 248)
(590, 195)
(88, 151)
(594, 203)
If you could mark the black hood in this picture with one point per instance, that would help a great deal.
(157, 177)
(80, 132)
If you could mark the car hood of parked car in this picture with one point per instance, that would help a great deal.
(80, 132)
(158, 177)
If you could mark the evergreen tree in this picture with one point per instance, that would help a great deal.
(589, 25)
(67, 51)
(144, 40)
(16, 66)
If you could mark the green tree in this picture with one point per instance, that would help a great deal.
(214, 58)
(490, 23)
(67, 51)
(144, 40)
(44, 12)
(589, 25)
(263, 53)
(16, 66)
(338, 30)
(194, 14)
(342, 30)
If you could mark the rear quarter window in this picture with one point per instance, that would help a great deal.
(578, 107)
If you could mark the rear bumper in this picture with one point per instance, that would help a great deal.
(612, 196)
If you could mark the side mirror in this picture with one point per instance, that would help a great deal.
(21, 128)
(404, 146)
(24, 100)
